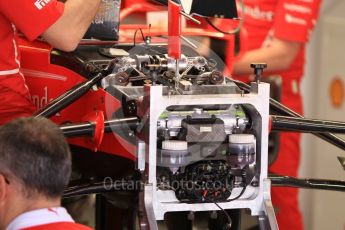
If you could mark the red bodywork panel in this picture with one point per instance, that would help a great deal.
(46, 81)
(174, 30)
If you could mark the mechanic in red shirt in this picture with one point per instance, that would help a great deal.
(61, 25)
(277, 33)
(33, 176)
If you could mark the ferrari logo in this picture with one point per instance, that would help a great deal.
(41, 3)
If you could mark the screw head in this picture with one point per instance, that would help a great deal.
(258, 65)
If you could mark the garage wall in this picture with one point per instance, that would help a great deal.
(325, 61)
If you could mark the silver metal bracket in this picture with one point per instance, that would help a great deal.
(267, 220)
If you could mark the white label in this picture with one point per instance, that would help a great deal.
(205, 129)
(41, 3)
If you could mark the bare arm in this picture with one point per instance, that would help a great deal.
(204, 46)
(69, 29)
(278, 56)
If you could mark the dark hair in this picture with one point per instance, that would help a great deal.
(35, 152)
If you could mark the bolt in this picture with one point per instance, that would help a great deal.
(258, 70)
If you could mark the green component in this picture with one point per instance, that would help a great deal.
(214, 112)
(164, 115)
(240, 113)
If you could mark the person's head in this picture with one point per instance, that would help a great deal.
(35, 163)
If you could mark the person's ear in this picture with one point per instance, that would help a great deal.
(3, 188)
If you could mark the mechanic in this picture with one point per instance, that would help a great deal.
(33, 176)
(60, 24)
(278, 31)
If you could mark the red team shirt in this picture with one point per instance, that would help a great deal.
(32, 18)
(55, 218)
(59, 226)
(290, 20)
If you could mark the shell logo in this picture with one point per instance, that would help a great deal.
(337, 92)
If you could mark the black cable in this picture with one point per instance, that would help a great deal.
(226, 214)
(241, 193)
(143, 37)
(217, 29)
(234, 31)
(135, 35)
(235, 198)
